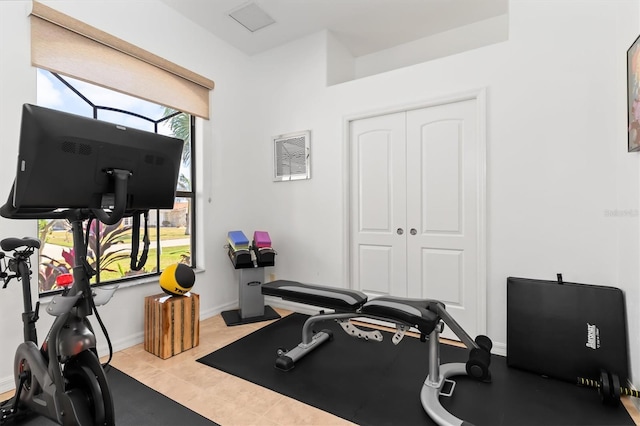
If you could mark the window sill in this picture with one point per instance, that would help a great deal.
(153, 279)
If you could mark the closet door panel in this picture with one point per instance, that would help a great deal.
(440, 177)
(442, 203)
(378, 205)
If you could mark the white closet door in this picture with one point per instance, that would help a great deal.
(378, 205)
(417, 189)
(442, 208)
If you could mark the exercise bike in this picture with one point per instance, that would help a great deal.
(63, 379)
(78, 169)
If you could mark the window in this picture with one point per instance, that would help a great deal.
(171, 232)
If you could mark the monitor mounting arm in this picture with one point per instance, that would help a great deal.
(121, 178)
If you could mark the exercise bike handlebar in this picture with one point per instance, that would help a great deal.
(9, 211)
(121, 179)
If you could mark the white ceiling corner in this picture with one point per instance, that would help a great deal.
(363, 26)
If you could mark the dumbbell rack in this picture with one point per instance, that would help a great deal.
(250, 265)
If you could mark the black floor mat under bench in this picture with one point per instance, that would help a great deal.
(372, 383)
(138, 405)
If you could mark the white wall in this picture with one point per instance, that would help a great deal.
(556, 136)
(14, 71)
(472, 36)
(556, 160)
(157, 28)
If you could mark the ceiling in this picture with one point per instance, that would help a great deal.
(362, 26)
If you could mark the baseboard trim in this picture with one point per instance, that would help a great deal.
(7, 384)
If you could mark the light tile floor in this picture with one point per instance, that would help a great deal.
(223, 398)
(219, 396)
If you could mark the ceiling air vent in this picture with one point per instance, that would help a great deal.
(291, 159)
(251, 17)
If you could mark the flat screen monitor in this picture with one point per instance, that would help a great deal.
(65, 161)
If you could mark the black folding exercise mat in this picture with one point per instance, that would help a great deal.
(138, 405)
(566, 330)
(377, 383)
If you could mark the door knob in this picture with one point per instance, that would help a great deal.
(413, 231)
(400, 231)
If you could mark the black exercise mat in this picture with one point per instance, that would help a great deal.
(372, 383)
(137, 404)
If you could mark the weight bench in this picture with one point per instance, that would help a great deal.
(427, 316)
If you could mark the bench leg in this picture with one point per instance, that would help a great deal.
(310, 341)
(438, 374)
(287, 360)
(430, 396)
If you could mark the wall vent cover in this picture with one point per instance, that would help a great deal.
(291, 156)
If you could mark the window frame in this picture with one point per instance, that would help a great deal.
(190, 195)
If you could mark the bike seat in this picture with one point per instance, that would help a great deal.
(13, 243)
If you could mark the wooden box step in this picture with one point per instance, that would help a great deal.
(171, 324)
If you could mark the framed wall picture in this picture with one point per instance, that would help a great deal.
(291, 156)
(633, 96)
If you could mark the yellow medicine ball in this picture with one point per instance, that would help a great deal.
(177, 279)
